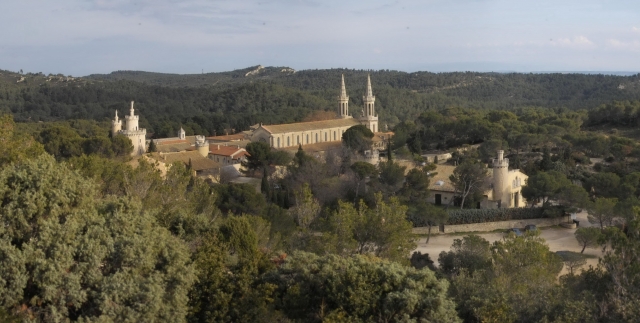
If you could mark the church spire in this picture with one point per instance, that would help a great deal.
(369, 91)
(343, 102)
(343, 92)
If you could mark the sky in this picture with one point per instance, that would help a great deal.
(81, 37)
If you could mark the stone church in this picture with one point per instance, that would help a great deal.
(131, 130)
(306, 133)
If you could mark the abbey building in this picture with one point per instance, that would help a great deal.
(306, 133)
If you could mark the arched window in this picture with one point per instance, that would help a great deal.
(288, 143)
(298, 140)
(335, 137)
(316, 137)
(307, 138)
(325, 137)
(278, 143)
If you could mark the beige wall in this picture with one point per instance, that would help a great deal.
(491, 226)
(293, 139)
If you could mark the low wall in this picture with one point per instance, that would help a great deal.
(491, 226)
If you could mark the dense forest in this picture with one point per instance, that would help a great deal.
(88, 237)
(223, 102)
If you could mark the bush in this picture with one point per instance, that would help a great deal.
(492, 215)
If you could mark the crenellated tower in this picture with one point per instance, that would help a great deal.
(131, 130)
(343, 102)
(116, 125)
(369, 117)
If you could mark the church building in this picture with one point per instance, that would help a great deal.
(305, 133)
(131, 130)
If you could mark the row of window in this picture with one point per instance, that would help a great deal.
(298, 142)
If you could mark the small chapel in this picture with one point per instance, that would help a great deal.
(307, 133)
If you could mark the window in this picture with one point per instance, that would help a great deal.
(278, 142)
(298, 140)
(316, 137)
(288, 143)
(307, 138)
(325, 137)
(335, 137)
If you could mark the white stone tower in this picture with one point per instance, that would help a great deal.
(369, 117)
(202, 146)
(343, 102)
(181, 134)
(500, 180)
(116, 125)
(131, 130)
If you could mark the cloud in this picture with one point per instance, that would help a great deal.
(635, 29)
(575, 42)
(624, 45)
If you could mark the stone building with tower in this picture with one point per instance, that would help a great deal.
(314, 132)
(131, 130)
(502, 187)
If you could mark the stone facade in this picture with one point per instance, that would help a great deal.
(307, 133)
(132, 131)
(502, 187)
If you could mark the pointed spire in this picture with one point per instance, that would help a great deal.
(131, 110)
(369, 91)
(116, 115)
(343, 91)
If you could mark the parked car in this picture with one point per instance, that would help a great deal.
(530, 227)
(516, 231)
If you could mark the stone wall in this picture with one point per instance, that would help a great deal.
(491, 226)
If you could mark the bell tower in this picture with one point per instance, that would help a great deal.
(343, 102)
(369, 117)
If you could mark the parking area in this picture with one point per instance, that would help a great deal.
(557, 238)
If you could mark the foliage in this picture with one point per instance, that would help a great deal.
(572, 260)
(381, 230)
(15, 145)
(469, 254)
(602, 211)
(359, 289)
(357, 138)
(468, 178)
(67, 255)
(588, 237)
(491, 215)
(518, 286)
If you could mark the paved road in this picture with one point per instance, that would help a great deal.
(557, 238)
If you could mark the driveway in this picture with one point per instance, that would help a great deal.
(557, 239)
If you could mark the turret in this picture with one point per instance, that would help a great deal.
(132, 120)
(202, 146)
(343, 102)
(181, 134)
(500, 180)
(116, 125)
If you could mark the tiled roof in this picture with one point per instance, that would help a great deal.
(197, 161)
(169, 148)
(310, 126)
(237, 136)
(225, 150)
(442, 177)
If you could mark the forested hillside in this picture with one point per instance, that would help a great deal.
(218, 102)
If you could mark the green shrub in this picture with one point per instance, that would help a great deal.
(492, 215)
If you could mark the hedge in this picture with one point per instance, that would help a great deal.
(469, 216)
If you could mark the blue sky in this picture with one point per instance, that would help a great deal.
(80, 37)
